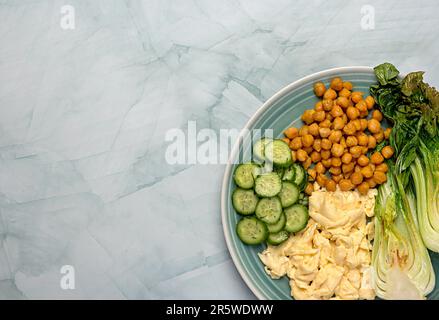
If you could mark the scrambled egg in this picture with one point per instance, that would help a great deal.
(331, 257)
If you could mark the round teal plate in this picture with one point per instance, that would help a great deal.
(278, 113)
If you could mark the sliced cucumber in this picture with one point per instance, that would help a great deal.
(244, 201)
(280, 171)
(278, 238)
(278, 226)
(297, 218)
(251, 230)
(244, 175)
(289, 194)
(259, 149)
(300, 176)
(269, 210)
(289, 174)
(268, 184)
(278, 152)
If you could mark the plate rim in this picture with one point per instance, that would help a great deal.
(227, 171)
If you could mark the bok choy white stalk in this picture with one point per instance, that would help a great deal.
(401, 264)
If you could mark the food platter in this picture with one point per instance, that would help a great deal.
(280, 112)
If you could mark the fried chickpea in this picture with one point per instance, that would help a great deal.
(361, 106)
(317, 146)
(321, 180)
(338, 123)
(307, 116)
(308, 149)
(293, 155)
(364, 114)
(374, 126)
(349, 128)
(370, 101)
(326, 144)
(327, 163)
(377, 115)
(301, 155)
(367, 171)
(327, 104)
(336, 162)
(307, 163)
(319, 89)
(346, 158)
(345, 185)
(335, 170)
(330, 94)
(325, 154)
(286, 140)
(387, 152)
(324, 132)
(331, 186)
(329, 117)
(336, 84)
(309, 189)
(296, 143)
(356, 96)
(383, 167)
(347, 175)
(363, 160)
(319, 116)
(313, 129)
(291, 133)
(363, 123)
(318, 106)
(315, 156)
(357, 178)
(371, 182)
(345, 93)
(343, 142)
(303, 131)
(337, 150)
(352, 113)
(363, 140)
(357, 168)
(347, 85)
(336, 111)
(312, 173)
(320, 168)
(343, 102)
(356, 151)
(357, 124)
(345, 118)
(335, 136)
(337, 177)
(379, 177)
(325, 124)
(351, 141)
(348, 167)
(307, 140)
(379, 136)
(372, 142)
(387, 133)
(376, 158)
(363, 188)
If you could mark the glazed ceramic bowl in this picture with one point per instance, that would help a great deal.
(280, 112)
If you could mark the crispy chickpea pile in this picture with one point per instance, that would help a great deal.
(337, 141)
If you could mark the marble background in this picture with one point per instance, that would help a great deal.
(84, 113)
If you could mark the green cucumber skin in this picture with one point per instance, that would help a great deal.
(291, 213)
(235, 205)
(294, 194)
(275, 216)
(268, 191)
(278, 226)
(278, 238)
(246, 238)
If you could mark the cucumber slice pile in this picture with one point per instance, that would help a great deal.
(273, 203)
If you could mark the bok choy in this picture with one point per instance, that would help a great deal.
(412, 106)
(401, 264)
